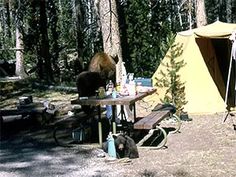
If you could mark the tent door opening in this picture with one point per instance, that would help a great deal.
(216, 53)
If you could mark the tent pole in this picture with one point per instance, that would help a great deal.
(228, 80)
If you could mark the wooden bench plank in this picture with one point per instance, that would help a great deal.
(6, 112)
(141, 122)
(156, 119)
(151, 120)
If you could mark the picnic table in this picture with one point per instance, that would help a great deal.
(120, 100)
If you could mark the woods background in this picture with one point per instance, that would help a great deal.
(53, 40)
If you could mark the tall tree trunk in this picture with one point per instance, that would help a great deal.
(190, 13)
(53, 16)
(200, 13)
(20, 71)
(44, 44)
(233, 11)
(110, 32)
(123, 32)
(228, 11)
(8, 16)
(179, 16)
(79, 21)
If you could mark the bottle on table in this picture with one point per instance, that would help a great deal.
(110, 87)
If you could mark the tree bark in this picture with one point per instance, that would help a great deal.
(53, 22)
(233, 11)
(200, 13)
(8, 16)
(79, 21)
(44, 45)
(229, 11)
(190, 13)
(20, 71)
(110, 32)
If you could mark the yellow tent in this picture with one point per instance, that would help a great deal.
(206, 52)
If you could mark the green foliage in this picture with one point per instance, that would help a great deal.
(147, 30)
(220, 10)
(7, 40)
(170, 79)
(65, 36)
(147, 27)
(66, 25)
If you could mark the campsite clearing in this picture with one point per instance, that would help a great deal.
(205, 147)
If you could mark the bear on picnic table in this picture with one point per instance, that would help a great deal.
(101, 69)
(87, 84)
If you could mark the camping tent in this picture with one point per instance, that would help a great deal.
(206, 52)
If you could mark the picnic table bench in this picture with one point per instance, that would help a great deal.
(152, 122)
(30, 110)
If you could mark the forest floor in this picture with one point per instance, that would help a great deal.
(204, 147)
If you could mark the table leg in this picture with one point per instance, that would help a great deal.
(99, 125)
(122, 112)
(114, 119)
(1, 127)
(134, 108)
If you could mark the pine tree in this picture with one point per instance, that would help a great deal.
(175, 93)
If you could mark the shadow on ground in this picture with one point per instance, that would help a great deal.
(29, 150)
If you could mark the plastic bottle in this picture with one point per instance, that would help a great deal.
(109, 112)
(110, 87)
(131, 85)
(111, 146)
(132, 88)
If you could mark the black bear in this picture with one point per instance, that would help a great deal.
(104, 64)
(102, 68)
(87, 84)
(125, 146)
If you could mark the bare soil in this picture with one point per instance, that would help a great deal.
(204, 147)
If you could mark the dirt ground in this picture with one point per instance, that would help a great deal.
(205, 147)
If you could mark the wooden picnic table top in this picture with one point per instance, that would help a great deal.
(120, 100)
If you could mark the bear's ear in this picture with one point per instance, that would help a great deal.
(115, 58)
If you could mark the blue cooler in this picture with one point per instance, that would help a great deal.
(147, 82)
